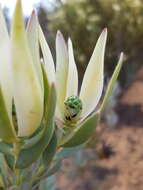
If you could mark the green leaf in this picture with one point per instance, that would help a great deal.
(33, 140)
(82, 133)
(52, 170)
(46, 174)
(46, 92)
(3, 168)
(111, 83)
(48, 184)
(67, 152)
(28, 156)
(50, 151)
(10, 160)
(2, 185)
(7, 132)
(5, 148)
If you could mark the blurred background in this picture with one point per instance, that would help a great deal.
(113, 158)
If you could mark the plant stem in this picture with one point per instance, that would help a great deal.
(16, 151)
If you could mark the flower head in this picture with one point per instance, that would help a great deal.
(67, 78)
(73, 108)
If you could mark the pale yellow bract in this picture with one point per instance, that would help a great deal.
(67, 76)
(20, 72)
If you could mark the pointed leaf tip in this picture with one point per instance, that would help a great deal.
(33, 12)
(18, 21)
(104, 33)
(62, 61)
(72, 88)
(69, 41)
(47, 55)
(112, 83)
(33, 39)
(105, 30)
(59, 32)
(121, 55)
(92, 85)
(60, 37)
(18, 4)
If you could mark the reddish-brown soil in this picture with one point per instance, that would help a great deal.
(120, 168)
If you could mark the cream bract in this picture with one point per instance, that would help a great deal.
(67, 76)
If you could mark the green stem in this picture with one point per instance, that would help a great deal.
(16, 151)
